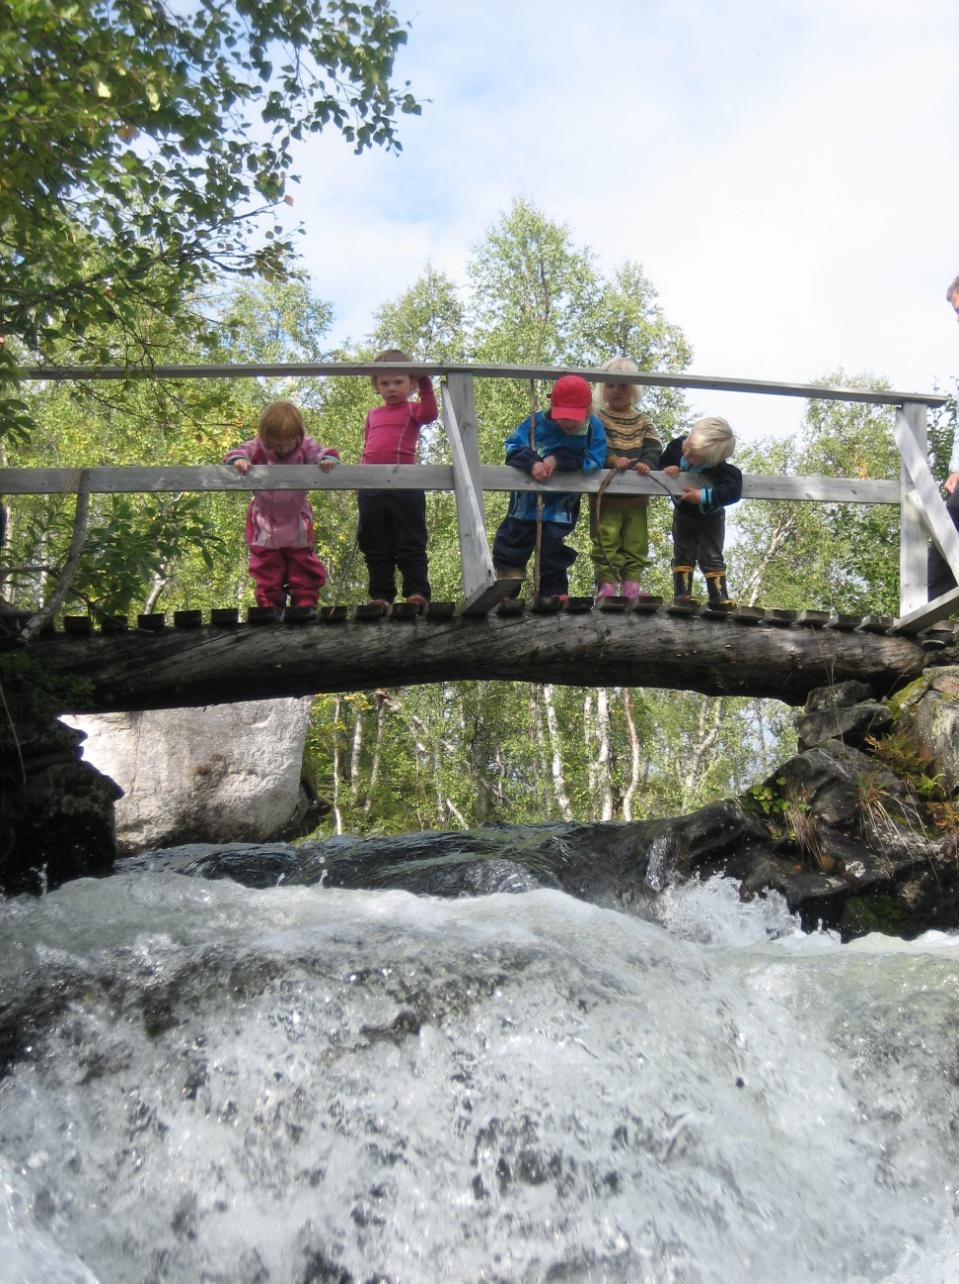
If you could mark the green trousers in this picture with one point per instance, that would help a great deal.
(622, 554)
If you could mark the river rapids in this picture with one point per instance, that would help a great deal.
(211, 1083)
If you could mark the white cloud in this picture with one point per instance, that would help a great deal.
(785, 172)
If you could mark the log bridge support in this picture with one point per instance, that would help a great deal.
(748, 652)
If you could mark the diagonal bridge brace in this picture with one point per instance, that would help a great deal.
(925, 498)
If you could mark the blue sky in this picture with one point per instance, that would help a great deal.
(785, 171)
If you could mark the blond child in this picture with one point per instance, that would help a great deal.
(699, 519)
(392, 529)
(279, 523)
(618, 524)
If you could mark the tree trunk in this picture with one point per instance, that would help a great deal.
(604, 765)
(337, 816)
(762, 757)
(541, 797)
(557, 771)
(634, 763)
(52, 604)
(779, 536)
(479, 756)
(591, 741)
(356, 752)
(178, 667)
(156, 588)
(374, 781)
(710, 720)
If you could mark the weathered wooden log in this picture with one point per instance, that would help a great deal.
(210, 665)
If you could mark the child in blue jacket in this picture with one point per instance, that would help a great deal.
(567, 439)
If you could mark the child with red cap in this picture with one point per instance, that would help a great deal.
(566, 439)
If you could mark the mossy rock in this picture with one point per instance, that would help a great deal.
(908, 696)
(865, 914)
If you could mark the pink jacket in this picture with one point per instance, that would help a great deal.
(391, 432)
(280, 518)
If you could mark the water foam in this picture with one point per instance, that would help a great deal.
(303, 1084)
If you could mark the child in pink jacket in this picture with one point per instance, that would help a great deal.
(279, 523)
(392, 530)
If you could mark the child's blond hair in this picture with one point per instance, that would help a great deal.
(388, 354)
(281, 425)
(616, 365)
(712, 439)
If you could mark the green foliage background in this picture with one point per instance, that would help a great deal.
(457, 754)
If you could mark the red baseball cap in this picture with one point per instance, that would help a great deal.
(571, 398)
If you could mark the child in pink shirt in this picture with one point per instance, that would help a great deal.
(392, 530)
(279, 523)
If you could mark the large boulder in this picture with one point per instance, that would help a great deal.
(225, 773)
(56, 812)
(929, 715)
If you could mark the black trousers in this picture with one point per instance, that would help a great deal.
(699, 537)
(514, 545)
(939, 578)
(391, 535)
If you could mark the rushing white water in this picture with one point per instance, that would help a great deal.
(210, 1083)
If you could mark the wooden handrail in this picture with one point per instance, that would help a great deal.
(916, 492)
(350, 369)
(222, 477)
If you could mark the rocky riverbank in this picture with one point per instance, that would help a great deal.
(859, 831)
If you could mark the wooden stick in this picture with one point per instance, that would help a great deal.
(538, 553)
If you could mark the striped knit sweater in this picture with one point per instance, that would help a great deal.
(631, 435)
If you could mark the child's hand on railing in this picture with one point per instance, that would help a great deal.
(672, 470)
(543, 469)
(641, 468)
(621, 463)
(242, 465)
(327, 465)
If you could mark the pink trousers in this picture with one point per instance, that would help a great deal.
(278, 571)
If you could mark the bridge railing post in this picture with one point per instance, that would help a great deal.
(459, 419)
(923, 513)
(911, 421)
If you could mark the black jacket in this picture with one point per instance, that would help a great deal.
(720, 484)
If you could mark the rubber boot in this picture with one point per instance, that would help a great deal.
(511, 573)
(683, 584)
(718, 592)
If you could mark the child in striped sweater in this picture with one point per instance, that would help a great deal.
(618, 523)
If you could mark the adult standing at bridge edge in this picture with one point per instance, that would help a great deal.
(940, 578)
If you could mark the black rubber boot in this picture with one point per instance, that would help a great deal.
(717, 590)
(683, 584)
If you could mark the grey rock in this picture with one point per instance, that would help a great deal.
(832, 781)
(930, 716)
(848, 723)
(56, 812)
(227, 773)
(838, 696)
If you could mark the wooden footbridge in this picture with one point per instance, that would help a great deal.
(197, 660)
